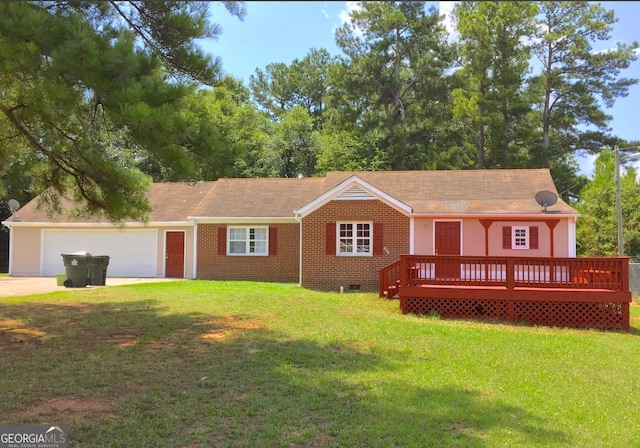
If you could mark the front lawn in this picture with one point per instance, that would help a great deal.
(238, 364)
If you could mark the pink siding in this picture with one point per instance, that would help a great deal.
(473, 238)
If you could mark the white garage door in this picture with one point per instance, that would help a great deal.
(133, 253)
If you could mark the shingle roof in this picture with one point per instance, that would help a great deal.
(271, 197)
(464, 191)
(170, 201)
(426, 192)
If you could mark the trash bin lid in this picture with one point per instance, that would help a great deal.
(81, 253)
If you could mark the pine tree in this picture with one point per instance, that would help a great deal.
(77, 77)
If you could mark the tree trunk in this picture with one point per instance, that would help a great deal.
(481, 145)
(505, 134)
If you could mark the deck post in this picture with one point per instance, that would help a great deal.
(511, 277)
(624, 283)
(404, 271)
(403, 274)
(511, 283)
(624, 273)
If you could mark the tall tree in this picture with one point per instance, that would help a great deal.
(343, 150)
(396, 55)
(280, 87)
(274, 89)
(312, 73)
(597, 226)
(576, 82)
(72, 71)
(495, 62)
(235, 122)
(296, 143)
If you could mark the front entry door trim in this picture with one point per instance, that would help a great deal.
(174, 253)
(441, 231)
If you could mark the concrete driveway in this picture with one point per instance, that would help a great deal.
(24, 286)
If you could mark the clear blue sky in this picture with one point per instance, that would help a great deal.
(283, 31)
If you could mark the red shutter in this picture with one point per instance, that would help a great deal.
(378, 238)
(506, 237)
(330, 246)
(533, 237)
(273, 241)
(222, 241)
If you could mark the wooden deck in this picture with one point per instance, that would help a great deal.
(569, 292)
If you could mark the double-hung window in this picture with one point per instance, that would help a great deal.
(520, 237)
(248, 241)
(355, 238)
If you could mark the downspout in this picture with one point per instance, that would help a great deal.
(195, 249)
(8, 226)
(299, 219)
(412, 235)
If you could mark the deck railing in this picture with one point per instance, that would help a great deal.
(389, 277)
(468, 286)
(571, 273)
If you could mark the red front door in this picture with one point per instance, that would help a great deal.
(447, 242)
(174, 258)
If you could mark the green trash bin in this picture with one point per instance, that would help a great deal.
(76, 269)
(97, 266)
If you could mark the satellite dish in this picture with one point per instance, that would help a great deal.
(13, 206)
(546, 199)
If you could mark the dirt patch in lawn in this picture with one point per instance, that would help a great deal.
(110, 342)
(226, 327)
(79, 409)
(70, 409)
(17, 331)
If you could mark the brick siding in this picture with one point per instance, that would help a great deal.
(282, 267)
(329, 272)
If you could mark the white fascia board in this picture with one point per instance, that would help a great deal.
(98, 224)
(497, 217)
(243, 219)
(335, 191)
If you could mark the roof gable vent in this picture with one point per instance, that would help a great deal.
(354, 193)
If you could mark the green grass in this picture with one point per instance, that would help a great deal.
(234, 364)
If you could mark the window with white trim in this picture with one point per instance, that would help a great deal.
(520, 237)
(354, 238)
(247, 240)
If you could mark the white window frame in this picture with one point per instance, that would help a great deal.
(520, 236)
(354, 238)
(247, 241)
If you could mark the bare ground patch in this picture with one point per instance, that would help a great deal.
(71, 409)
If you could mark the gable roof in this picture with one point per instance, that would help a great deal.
(464, 191)
(354, 188)
(434, 192)
(439, 192)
